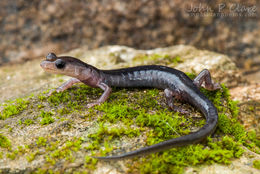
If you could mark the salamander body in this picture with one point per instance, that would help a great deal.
(175, 84)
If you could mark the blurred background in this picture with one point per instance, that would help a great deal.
(31, 29)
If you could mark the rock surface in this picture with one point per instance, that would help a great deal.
(24, 79)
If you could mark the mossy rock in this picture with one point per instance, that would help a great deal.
(41, 134)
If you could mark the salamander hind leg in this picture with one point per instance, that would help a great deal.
(204, 76)
(169, 94)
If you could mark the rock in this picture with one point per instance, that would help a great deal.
(61, 142)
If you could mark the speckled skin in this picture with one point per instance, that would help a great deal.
(174, 82)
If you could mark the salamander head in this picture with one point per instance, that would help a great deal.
(65, 65)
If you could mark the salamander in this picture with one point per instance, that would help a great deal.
(175, 84)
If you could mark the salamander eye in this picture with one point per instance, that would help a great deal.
(51, 57)
(60, 63)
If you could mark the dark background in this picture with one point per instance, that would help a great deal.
(32, 28)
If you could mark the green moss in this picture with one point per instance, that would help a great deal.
(228, 112)
(256, 164)
(44, 171)
(228, 122)
(21, 149)
(32, 156)
(28, 122)
(253, 141)
(10, 129)
(13, 108)
(159, 59)
(191, 75)
(65, 152)
(50, 160)
(232, 127)
(52, 146)
(40, 106)
(58, 98)
(41, 97)
(63, 111)
(41, 141)
(176, 159)
(72, 100)
(46, 117)
(12, 155)
(104, 134)
(4, 142)
(129, 114)
(166, 125)
(232, 105)
(90, 163)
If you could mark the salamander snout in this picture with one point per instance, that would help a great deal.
(44, 64)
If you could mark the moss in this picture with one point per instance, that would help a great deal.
(159, 59)
(46, 117)
(21, 149)
(228, 112)
(232, 105)
(12, 155)
(65, 152)
(10, 129)
(176, 159)
(129, 114)
(32, 156)
(231, 127)
(253, 141)
(5, 142)
(58, 98)
(41, 141)
(256, 164)
(90, 163)
(166, 126)
(228, 122)
(63, 111)
(104, 134)
(28, 122)
(45, 171)
(42, 97)
(40, 106)
(20, 122)
(191, 75)
(52, 146)
(13, 108)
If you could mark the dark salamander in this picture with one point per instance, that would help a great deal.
(175, 83)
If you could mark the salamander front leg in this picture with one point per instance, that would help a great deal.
(104, 96)
(64, 86)
(169, 94)
(204, 76)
